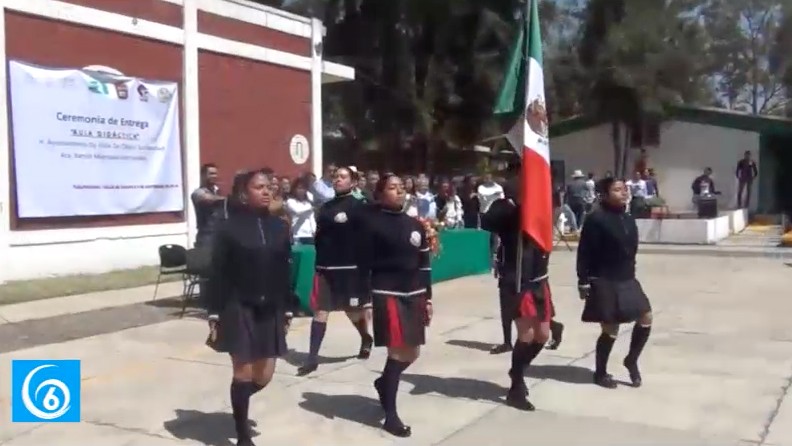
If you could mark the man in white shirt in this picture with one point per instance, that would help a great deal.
(488, 191)
(425, 199)
(638, 193)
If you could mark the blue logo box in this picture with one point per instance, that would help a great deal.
(45, 391)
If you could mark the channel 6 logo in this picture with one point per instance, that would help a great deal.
(45, 391)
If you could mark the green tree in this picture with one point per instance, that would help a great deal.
(748, 76)
(638, 57)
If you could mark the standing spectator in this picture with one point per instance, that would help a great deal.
(576, 196)
(322, 188)
(470, 203)
(591, 192)
(638, 193)
(410, 201)
(425, 200)
(285, 186)
(453, 216)
(206, 200)
(703, 185)
(301, 214)
(487, 192)
(746, 173)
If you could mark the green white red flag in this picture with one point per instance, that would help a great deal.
(522, 94)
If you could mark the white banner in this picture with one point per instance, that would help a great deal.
(89, 143)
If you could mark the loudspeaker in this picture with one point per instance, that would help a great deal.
(707, 207)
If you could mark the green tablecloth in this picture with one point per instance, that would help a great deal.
(464, 252)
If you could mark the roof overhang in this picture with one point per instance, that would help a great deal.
(334, 72)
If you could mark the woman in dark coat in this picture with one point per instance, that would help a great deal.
(398, 260)
(249, 289)
(606, 280)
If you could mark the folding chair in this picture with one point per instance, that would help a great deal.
(198, 267)
(173, 261)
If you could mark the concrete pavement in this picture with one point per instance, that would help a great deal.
(717, 370)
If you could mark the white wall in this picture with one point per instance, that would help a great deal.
(32, 254)
(685, 150)
(589, 150)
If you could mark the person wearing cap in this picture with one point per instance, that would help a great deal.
(576, 193)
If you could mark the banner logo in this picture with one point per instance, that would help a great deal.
(45, 391)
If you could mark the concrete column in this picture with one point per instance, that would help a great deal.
(317, 38)
(192, 134)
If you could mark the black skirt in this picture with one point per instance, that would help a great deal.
(399, 321)
(615, 302)
(251, 333)
(335, 290)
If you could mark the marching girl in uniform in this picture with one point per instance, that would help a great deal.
(248, 291)
(339, 283)
(530, 307)
(399, 263)
(606, 280)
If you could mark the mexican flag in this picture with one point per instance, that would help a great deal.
(522, 95)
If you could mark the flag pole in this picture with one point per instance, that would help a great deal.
(520, 234)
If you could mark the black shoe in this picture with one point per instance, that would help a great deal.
(557, 331)
(307, 369)
(397, 429)
(635, 373)
(502, 348)
(378, 387)
(365, 347)
(605, 380)
(518, 399)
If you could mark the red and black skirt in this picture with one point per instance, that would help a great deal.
(535, 302)
(339, 289)
(615, 302)
(399, 321)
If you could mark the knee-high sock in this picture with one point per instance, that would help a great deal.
(391, 375)
(318, 330)
(506, 320)
(240, 404)
(640, 335)
(362, 327)
(522, 356)
(256, 388)
(604, 347)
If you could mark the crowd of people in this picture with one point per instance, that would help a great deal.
(373, 262)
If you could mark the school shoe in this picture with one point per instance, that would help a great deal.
(366, 345)
(604, 380)
(557, 332)
(307, 369)
(635, 373)
(501, 348)
(397, 429)
(518, 399)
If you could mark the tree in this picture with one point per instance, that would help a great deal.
(748, 76)
(638, 57)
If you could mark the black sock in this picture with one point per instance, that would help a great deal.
(604, 347)
(555, 328)
(522, 356)
(362, 328)
(640, 335)
(506, 320)
(391, 375)
(256, 388)
(318, 330)
(240, 405)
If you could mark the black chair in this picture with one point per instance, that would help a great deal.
(198, 266)
(173, 261)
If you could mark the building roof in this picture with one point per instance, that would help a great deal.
(699, 115)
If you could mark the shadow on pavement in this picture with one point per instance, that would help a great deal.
(473, 345)
(298, 359)
(194, 308)
(467, 388)
(355, 408)
(570, 374)
(211, 429)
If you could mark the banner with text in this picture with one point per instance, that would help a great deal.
(89, 143)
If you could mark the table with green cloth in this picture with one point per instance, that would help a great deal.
(463, 252)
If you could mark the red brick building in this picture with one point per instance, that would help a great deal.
(250, 80)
